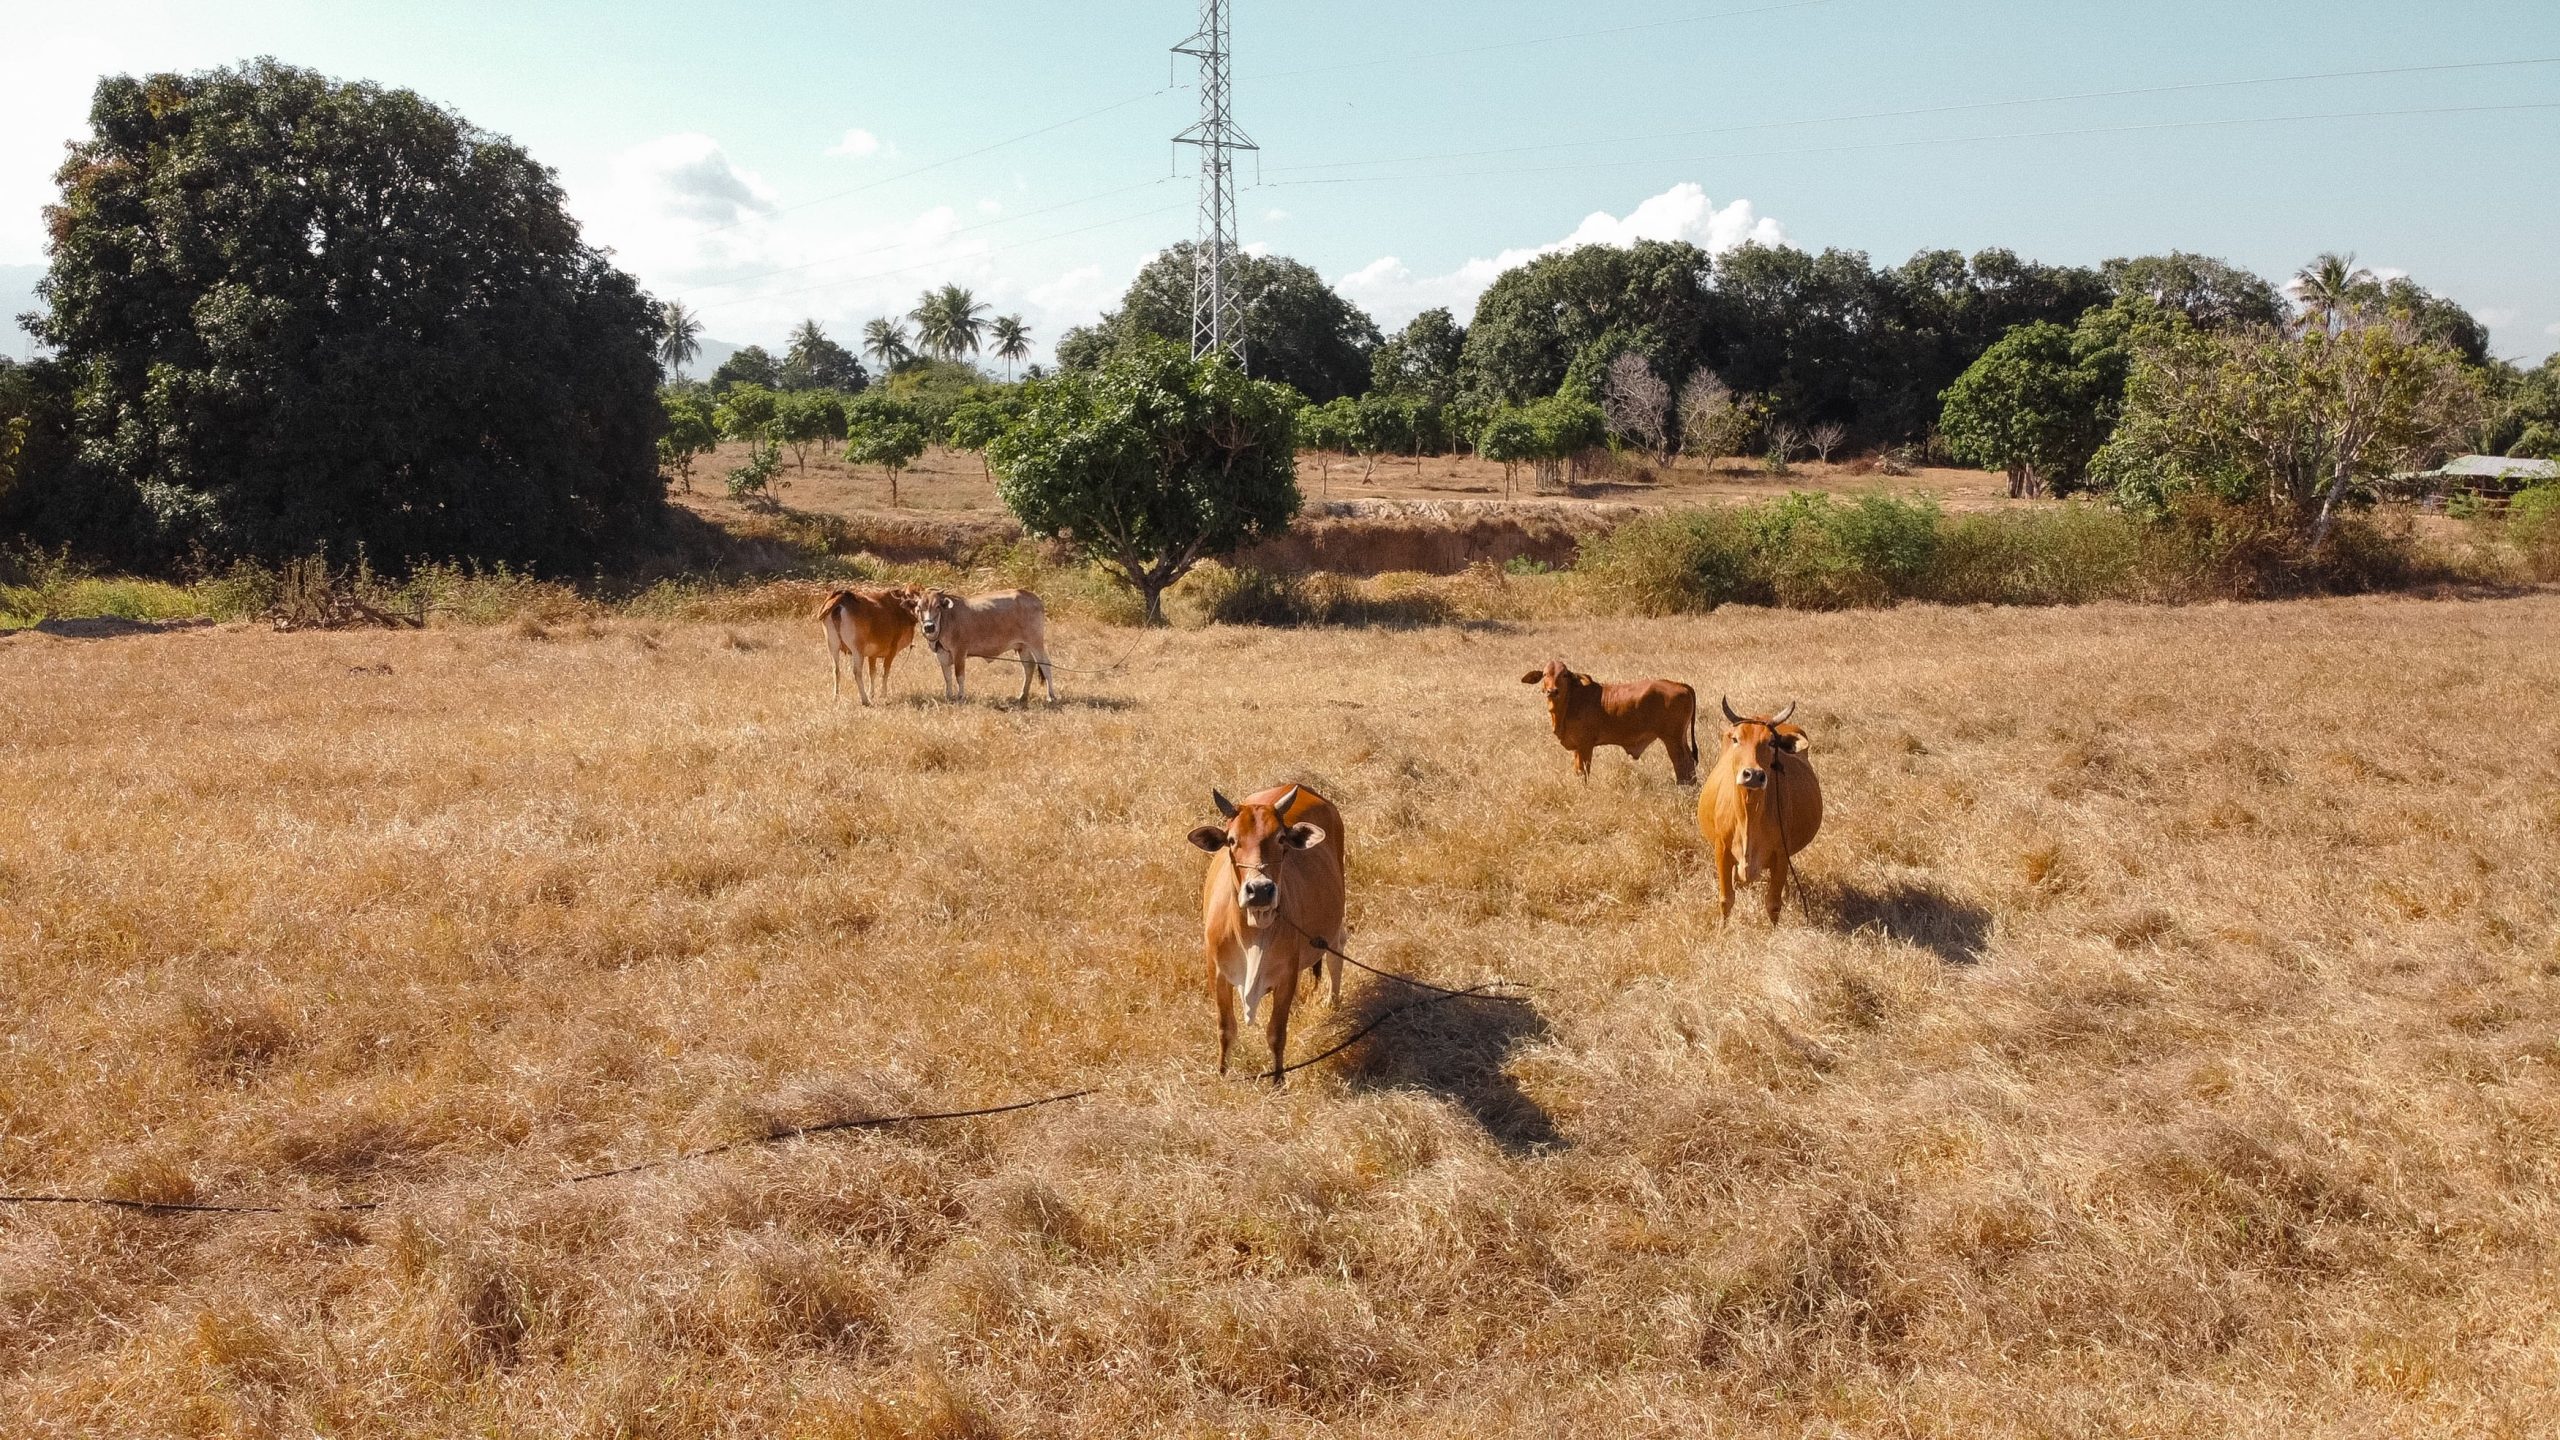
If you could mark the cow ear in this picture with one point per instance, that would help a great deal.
(1226, 806)
(1212, 838)
(1794, 742)
(1303, 837)
(1533, 677)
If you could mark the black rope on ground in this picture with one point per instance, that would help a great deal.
(871, 1122)
(1356, 1036)
(1327, 947)
(189, 1207)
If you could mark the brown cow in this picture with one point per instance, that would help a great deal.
(1274, 889)
(984, 627)
(872, 625)
(1761, 804)
(1630, 714)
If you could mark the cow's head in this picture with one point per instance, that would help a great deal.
(1258, 843)
(1558, 683)
(1759, 741)
(933, 610)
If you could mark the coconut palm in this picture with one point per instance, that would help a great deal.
(1012, 341)
(683, 341)
(885, 341)
(950, 322)
(2330, 288)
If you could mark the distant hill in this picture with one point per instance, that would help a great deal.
(713, 352)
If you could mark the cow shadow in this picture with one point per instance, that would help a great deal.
(1955, 931)
(1455, 1049)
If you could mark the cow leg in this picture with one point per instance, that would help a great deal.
(960, 674)
(1684, 761)
(1582, 765)
(1226, 1012)
(1023, 654)
(1724, 878)
(1048, 677)
(1333, 963)
(862, 677)
(1777, 886)
(1284, 998)
(835, 662)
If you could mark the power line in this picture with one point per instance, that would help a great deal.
(1933, 110)
(1911, 144)
(931, 264)
(1543, 40)
(947, 160)
(961, 230)
(1218, 138)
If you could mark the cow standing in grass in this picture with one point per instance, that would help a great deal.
(1273, 894)
(1760, 805)
(984, 627)
(871, 625)
(1631, 715)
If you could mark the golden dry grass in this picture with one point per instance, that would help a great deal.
(2169, 1044)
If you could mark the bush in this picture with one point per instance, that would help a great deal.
(1677, 562)
(2070, 554)
(1818, 554)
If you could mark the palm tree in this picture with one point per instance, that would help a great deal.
(1012, 341)
(2330, 288)
(684, 335)
(885, 341)
(950, 322)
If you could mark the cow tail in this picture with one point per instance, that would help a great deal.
(1694, 756)
(834, 599)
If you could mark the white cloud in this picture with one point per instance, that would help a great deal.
(990, 206)
(1275, 216)
(1392, 293)
(856, 145)
(2497, 317)
(688, 177)
(2552, 329)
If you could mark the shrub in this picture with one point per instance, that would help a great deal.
(1677, 562)
(754, 479)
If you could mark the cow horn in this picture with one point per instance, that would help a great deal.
(1781, 717)
(1729, 717)
(1282, 809)
(1226, 806)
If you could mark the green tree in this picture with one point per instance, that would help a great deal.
(885, 342)
(815, 362)
(303, 315)
(1580, 309)
(1328, 430)
(1567, 426)
(2288, 422)
(950, 323)
(750, 365)
(2032, 407)
(1152, 463)
(1294, 328)
(1510, 437)
(1380, 425)
(2332, 290)
(975, 426)
(2213, 294)
(1011, 341)
(747, 412)
(884, 433)
(690, 432)
(1421, 359)
(802, 418)
(683, 342)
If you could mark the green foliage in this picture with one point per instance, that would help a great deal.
(1509, 438)
(931, 391)
(1422, 359)
(2289, 424)
(1538, 320)
(2038, 405)
(975, 425)
(2533, 524)
(751, 365)
(815, 362)
(2212, 294)
(951, 323)
(690, 431)
(307, 315)
(1295, 329)
(754, 479)
(2538, 441)
(1816, 553)
(747, 412)
(1152, 463)
(884, 432)
(802, 418)
(1672, 562)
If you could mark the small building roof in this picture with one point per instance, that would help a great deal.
(2496, 467)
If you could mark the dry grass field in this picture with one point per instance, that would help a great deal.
(2168, 1042)
(952, 485)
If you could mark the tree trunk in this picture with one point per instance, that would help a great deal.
(1152, 591)
(2329, 509)
(2017, 481)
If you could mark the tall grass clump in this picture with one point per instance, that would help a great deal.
(2533, 527)
(1677, 562)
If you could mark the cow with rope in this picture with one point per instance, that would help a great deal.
(1761, 804)
(1271, 907)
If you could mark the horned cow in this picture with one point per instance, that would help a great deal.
(984, 627)
(872, 625)
(1273, 890)
(1631, 715)
(1761, 804)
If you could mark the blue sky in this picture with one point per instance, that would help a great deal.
(1409, 151)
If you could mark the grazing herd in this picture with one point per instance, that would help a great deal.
(1272, 901)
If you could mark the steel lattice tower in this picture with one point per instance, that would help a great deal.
(1214, 309)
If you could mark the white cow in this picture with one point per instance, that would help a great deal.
(960, 629)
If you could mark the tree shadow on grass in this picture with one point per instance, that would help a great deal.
(105, 627)
(1955, 931)
(1455, 1049)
